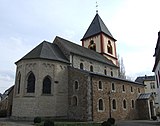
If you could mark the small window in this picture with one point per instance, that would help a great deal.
(112, 73)
(139, 91)
(113, 87)
(76, 85)
(131, 89)
(124, 104)
(109, 47)
(74, 101)
(18, 83)
(81, 66)
(114, 104)
(123, 88)
(100, 86)
(91, 68)
(100, 105)
(132, 103)
(105, 71)
(152, 85)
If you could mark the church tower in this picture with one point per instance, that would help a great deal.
(99, 39)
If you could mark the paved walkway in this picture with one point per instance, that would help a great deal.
(6, 122)
(138, 123)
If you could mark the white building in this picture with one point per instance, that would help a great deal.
(156, 67)
(150, 87)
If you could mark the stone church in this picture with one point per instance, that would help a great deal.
(64, 80)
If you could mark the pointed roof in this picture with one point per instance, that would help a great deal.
(97, 26)
(46, 50)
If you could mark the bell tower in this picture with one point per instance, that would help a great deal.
(99, 39)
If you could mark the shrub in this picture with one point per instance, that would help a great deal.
(158, 114)
(48, 123)
(154, 117)
(3, 113)
(111, 120)
(106, 123)
(37, 120)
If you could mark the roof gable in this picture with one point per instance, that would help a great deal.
(97, 26)
(82, 51)
(46, 50)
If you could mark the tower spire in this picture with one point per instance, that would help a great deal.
(96, 7)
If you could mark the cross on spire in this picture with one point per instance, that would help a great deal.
(96, 7)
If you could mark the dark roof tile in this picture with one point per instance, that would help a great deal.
(145, 78)
(144, 96)
(97, 26)
(46, 50)
(82, 51)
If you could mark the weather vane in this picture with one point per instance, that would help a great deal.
(96, 7)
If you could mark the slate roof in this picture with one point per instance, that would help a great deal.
(144, 96)
(46, 50)
(7, 92)
(145, 78)
(106, 76)
(97, 26)
(82, 51)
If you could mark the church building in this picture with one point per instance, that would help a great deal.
(64, 80)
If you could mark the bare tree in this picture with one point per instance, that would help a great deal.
(121, 68)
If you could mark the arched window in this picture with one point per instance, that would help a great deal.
(109, 47)
(113, 87)
(76, 85)
(131, 89)
(31, 83)
(113, 104)
(124, 104)
(105, 71)
(100, 86)
(132, 103)
(92, 45)
(81, 66)
(100, 105)
(74, 101)
(123, 88)
(91, 68)
(18, 82)
(46, 85)
(112, 73)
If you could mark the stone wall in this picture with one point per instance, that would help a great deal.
(97, 66)
(81, 111)
(119, 95)
(143, 109)
(39, 104)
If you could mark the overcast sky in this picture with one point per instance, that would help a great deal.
(26, 23)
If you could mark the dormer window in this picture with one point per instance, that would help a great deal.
(109, 47)
(92, 45)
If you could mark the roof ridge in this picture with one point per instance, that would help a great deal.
(71, 46)
(41, 48)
